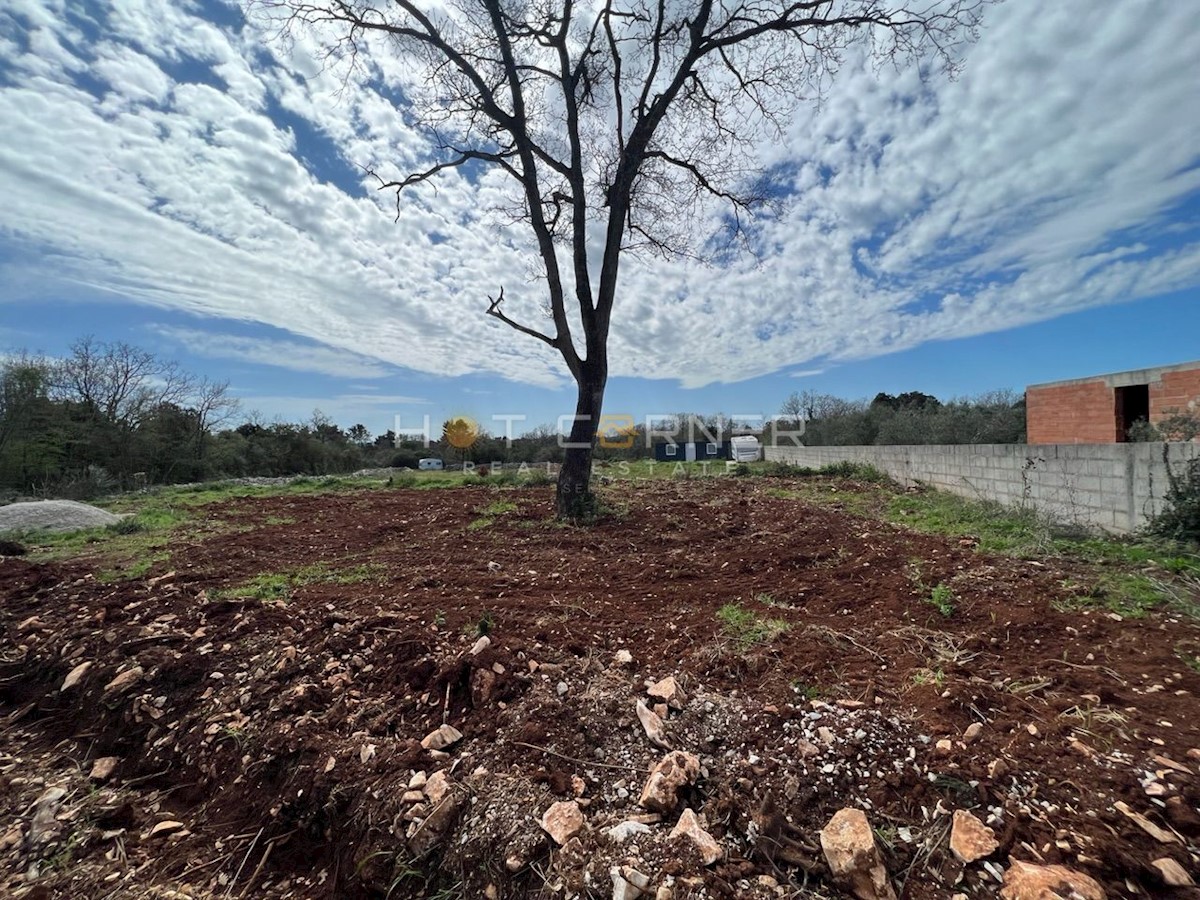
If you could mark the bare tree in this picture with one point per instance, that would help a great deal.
(118, 382)
(622, 124)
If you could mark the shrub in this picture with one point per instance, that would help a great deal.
(1180, 516)
(856, 471)
(537, 478)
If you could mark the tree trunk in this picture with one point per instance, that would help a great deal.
(574, 499)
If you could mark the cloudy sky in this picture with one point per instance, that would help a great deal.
(172, 177)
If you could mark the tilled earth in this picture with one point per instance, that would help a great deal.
(162, 736)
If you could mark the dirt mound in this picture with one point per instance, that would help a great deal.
(53, 515)
(182, 734)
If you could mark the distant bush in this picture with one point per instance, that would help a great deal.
(405, 459)
(777, 469)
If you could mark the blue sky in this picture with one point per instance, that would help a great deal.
(174, 178)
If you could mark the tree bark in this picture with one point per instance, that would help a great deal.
(574, 497)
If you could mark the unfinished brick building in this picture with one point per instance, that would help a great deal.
(1101, 409)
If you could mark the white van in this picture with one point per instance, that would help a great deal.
(744, 448)
(429, 463)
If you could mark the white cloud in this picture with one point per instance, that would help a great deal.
(294, 355)
(1040, 183)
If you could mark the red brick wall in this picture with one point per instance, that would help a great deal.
(1080, 413)
(1177, 391)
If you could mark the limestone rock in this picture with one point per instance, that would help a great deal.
(668, 777)
(103, 768)
(483, 684)
(623, 831)
(75, 675)
(652, 725)
(1025, 881)
(1174, 875)
(1159, 834)
(480, 645)
(669, 691)
(443, 737)
(562, 821)
(853, 858)
(689, 826)
(427, 834)
(972, 732)
(628, 883)
(125, 680)
(622, 658)
(436, 787)
(970, 839)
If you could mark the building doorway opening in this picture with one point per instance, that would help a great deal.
(1132, 405)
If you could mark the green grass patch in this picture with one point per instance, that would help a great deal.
(746, 628)
(997, 528)
(1128, 594)
(488, 514)
(279, 586)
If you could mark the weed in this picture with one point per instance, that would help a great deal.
(485, 624)
(935, 677)
(769, 600)
(1026, 686)
(805, 691)
(941, 598)
(746, 629)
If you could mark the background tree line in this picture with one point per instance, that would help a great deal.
(997, 417)
(111, 416)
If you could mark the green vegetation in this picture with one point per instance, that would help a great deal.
(941, 598)
(997, 528)
(806, 691)
(769, 600)
(485, 624)
(747, 629)
(912, 417)
(1180, 517)
(279, 586)
(488, 514)
(923, 676)
(1128, 594)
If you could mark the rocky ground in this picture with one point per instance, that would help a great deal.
(719, 692)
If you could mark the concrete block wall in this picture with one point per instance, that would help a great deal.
(1116, 487)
